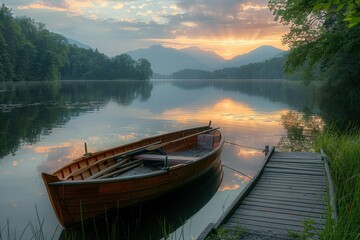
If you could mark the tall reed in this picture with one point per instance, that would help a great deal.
(343, 149)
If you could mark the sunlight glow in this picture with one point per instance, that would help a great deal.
(248, 154)
(226, 110)
(225, 47)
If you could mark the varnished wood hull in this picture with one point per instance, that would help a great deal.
(78, 199)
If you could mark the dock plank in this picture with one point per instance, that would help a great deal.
(292, 194)
(288, 199)
(269, 220)
(274, 183)
(284, 211)
(292, 183)
(273, 215)
(293, 171)
(286, 202)
(291, 188)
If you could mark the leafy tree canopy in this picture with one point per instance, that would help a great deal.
(324, 40)
(319, 39)
(349, 9)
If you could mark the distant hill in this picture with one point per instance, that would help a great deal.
(269, 69)
(206, 57)
(167, 60)
(79, 44)
(260, 54)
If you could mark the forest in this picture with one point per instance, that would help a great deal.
(270, 69)
(30, 52)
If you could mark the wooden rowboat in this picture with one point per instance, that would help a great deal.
(124, 176)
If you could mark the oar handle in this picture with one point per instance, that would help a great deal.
(157, 146)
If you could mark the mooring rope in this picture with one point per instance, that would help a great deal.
(244, 146)
(237, 171)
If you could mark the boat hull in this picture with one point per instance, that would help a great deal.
(82, 200)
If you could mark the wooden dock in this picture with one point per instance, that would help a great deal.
(290, 189)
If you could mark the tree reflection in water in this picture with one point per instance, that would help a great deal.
(302, 129)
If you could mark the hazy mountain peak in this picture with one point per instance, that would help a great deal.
(169, 60)
(259, 54)
(207, 57)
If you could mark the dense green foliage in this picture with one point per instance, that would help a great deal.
(88, 64)
(326, 48)
(29, 52)
(344, 154)
(270, 69)
(349, 9)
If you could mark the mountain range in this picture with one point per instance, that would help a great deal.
(169, 60)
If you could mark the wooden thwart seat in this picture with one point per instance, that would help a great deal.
(162, 157)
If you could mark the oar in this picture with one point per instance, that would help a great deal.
(115, 156)
(124, 168)
(157, 146)
(108, 169)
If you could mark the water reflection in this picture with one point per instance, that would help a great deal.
(302, 130)
(295, 94)
(58, 155)
(28, 110)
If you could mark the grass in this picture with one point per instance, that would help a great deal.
(343, 149)
(222, 233)
(36, 230)
(110, 227)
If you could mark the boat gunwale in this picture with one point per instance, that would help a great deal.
(90, 155)
(138, 176)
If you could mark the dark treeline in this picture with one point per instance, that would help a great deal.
(270, 69)
(30, 52)
(89, 64)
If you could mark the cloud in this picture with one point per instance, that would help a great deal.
(57, 3)
(118, 6)
(226, 19)
(115, 27)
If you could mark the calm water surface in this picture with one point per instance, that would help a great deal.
(45, 125)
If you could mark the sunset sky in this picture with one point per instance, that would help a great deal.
(227, 27)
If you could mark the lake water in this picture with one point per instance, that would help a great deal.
(45, 125)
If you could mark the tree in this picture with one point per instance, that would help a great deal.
(30, 52)
(143, 69)
(350, 10)
(324, 40)
(315, 35)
